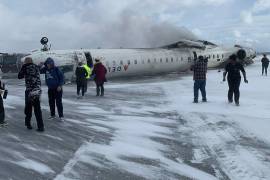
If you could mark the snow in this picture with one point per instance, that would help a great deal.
(36, 166)
(151, 129)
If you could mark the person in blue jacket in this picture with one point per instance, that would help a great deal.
(55, 81)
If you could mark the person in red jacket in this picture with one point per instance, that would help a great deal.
(99, 73)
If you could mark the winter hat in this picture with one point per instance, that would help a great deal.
(49, 61)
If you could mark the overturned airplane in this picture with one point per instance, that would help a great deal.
(175, 57)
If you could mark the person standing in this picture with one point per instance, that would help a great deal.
(2, 108)
(99, 73)
(55, 81)
(81, 75)
(89, 72)
(199, 77)
(265, 64)
(31, 73)
(233, 69)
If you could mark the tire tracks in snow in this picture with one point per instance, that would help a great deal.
(239, 154)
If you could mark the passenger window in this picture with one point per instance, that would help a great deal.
(222, 55)
(161, 60)
(128, 62)
(218, 56)
(213, 56)
(171, 59)
(177, 59)
(167, 60)
(149, 61)
(209, 56)
(143, 61)
(135, 62)
(182, 59)
(155, 60)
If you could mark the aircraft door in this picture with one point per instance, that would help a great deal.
(195, 55)
(89, 59)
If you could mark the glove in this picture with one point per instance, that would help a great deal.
(246, 81)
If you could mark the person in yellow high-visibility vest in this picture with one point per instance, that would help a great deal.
(89, 72)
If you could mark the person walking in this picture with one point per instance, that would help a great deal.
(265, 64)
(199, 77)
(233, 69)
(55, 81)
(81, 75)
(3, 123)
(99, 73)
(30, 72)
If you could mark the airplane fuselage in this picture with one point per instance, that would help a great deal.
(134, 62)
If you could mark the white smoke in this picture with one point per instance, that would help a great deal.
(89, 25)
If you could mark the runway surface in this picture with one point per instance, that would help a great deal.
(146, 128)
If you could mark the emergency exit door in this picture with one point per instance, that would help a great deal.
(89, 59)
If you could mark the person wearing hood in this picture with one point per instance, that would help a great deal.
(81, 75)
(99, 73)
(55, 81)
(31, 73)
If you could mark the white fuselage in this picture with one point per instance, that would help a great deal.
(134, 62)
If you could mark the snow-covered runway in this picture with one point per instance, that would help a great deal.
(144, 129)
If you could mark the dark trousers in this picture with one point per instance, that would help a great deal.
(80, 87)
(199, 85)
(2, 110)
(100, 88)
(55, 97)
(86, 86)
(29, 105)
(234, 85)
(264, 69)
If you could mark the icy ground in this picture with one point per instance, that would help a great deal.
(144, 129)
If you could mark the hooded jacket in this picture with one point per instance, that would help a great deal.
(54, 77)
(265, 61)
(99, 72)
(81, 75)
(32, 80)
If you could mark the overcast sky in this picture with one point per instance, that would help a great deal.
(132, 23)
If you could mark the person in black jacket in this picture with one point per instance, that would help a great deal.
(2, 109)
(233, 69)
(30, 72)
(81, 75)
(265, 64)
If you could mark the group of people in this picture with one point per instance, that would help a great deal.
(55, 81)
(232, 71)
(84, 73)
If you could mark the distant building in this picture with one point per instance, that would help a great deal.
(10, 63)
